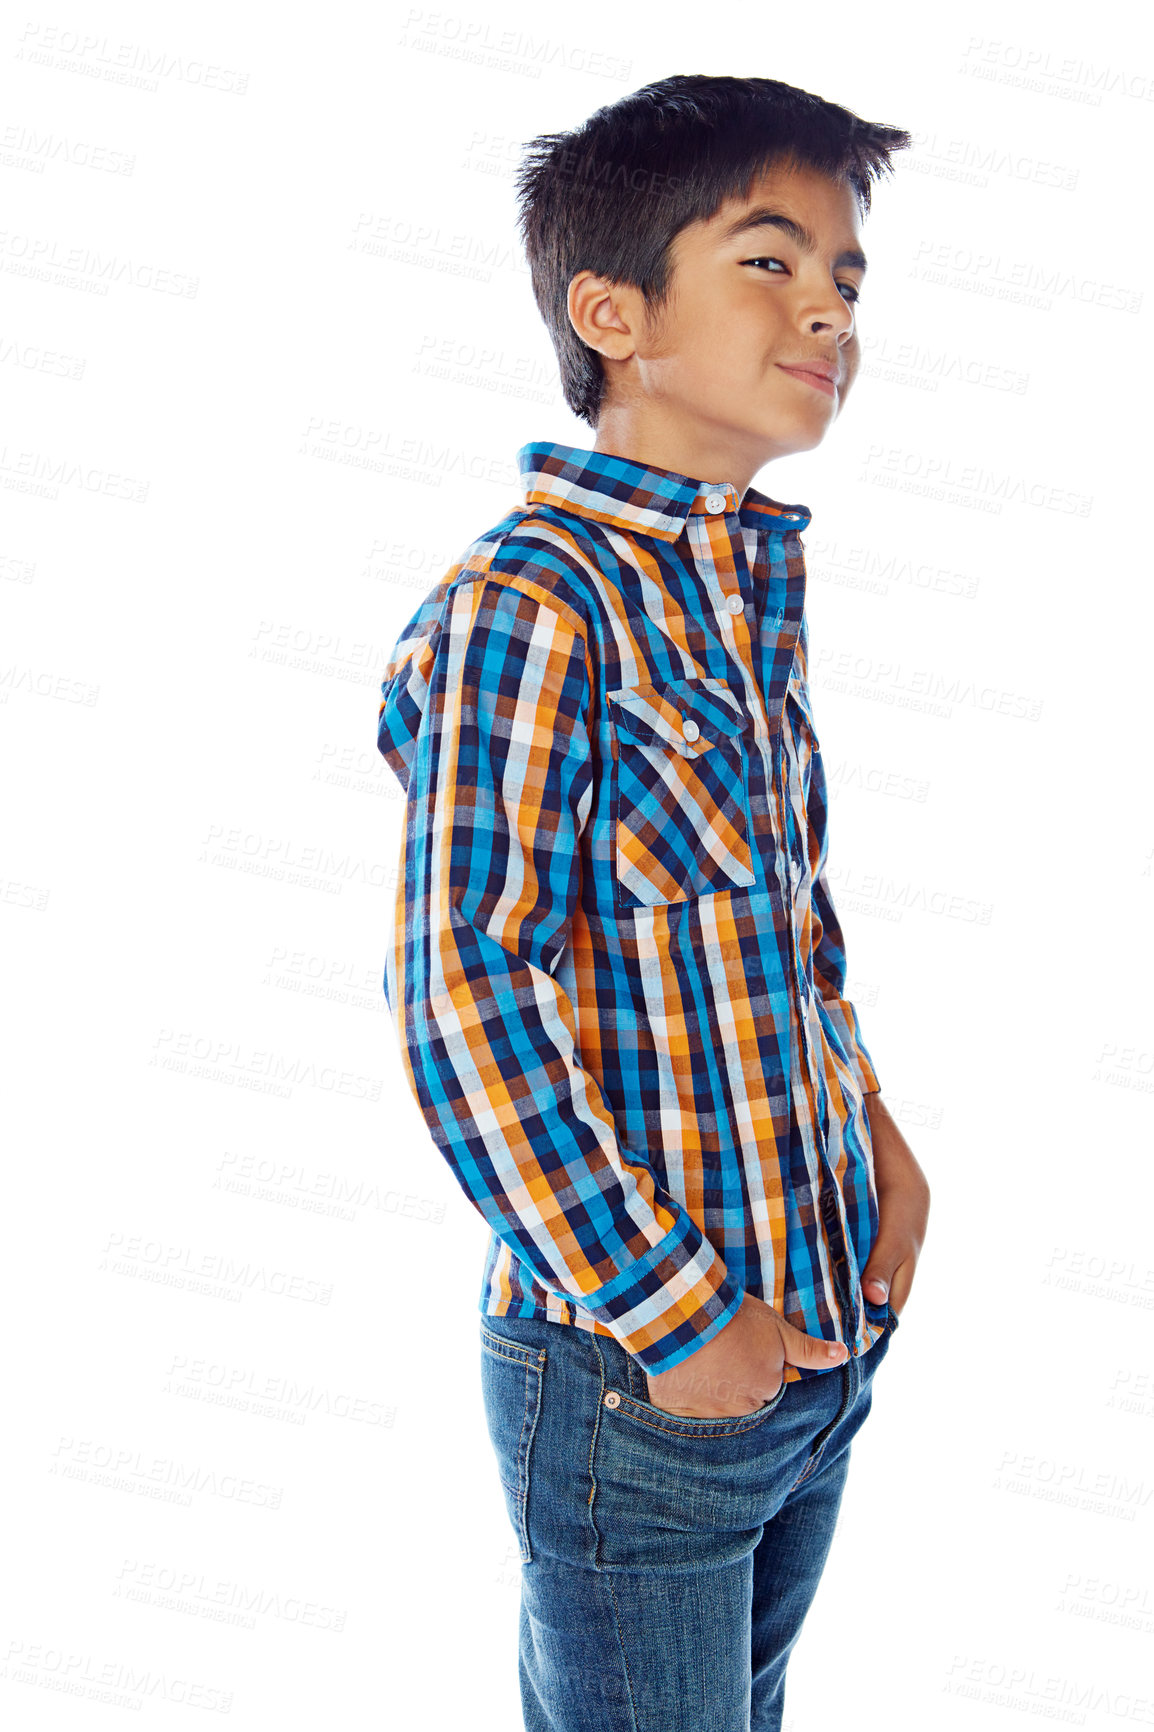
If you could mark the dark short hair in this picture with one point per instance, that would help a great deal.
(611, 196)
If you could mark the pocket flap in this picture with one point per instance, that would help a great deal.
(689, 715)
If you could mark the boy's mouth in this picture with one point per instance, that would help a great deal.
(817, 380)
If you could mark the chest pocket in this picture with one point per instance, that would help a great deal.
(680, 796)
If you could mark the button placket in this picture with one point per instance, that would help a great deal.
(789, 786)
(716, 500)
(731, 606)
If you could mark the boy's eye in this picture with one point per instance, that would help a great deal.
(767, 259)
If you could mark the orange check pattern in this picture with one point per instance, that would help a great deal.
(616, 971)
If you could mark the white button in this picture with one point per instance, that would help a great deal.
(715, 502)
(735, 604)
(690, 729)
(613, 1399)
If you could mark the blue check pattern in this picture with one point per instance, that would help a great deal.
(616, 973)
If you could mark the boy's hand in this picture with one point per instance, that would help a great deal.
(742, 1367)
(903, 1208)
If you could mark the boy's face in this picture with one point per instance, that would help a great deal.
(705, 389)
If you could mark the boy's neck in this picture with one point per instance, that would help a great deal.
(692, 451)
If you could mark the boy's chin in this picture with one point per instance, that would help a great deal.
(785, 438)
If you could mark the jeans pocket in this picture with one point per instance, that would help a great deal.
(512, 1377)
(674, 1492)
(640, 1408)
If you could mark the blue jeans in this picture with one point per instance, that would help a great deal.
(667, 1564)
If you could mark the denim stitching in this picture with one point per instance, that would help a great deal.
(508, 1349)
(532, 1361)
(593, 1435)
(747, 1422)
(513, 1358)
(624, 1655)
(851, 1386)
(528, 1434)
(637, 1390)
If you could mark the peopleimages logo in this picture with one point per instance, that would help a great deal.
(601, 172)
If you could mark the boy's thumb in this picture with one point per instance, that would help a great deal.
(811, 1350)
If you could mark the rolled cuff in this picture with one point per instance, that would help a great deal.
(670, 1302)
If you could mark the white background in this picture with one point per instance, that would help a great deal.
(267, 351)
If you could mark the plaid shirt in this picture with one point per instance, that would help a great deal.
(615, 968)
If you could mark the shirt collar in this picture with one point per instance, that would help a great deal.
(637, 497)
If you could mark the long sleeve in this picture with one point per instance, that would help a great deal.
(829, 957)
(484, 720)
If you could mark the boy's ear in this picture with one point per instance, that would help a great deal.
(602, 314)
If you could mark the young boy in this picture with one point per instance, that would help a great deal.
(616, 972)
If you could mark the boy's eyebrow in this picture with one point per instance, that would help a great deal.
(763, 217)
